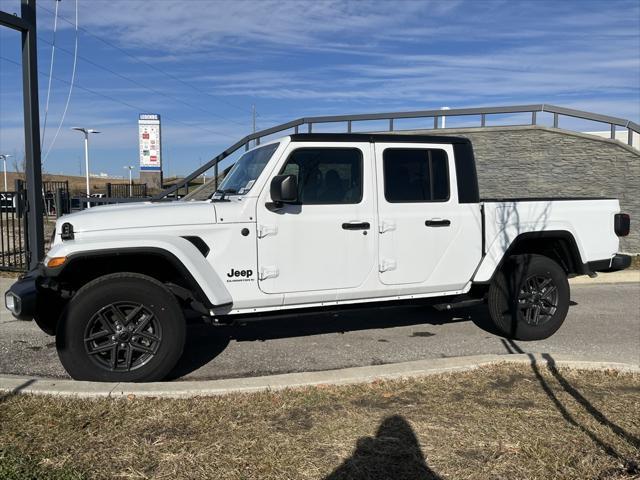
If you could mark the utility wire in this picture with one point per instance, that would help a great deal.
(146, 87)
(73, 78)
(122, 102)
(53, 51)
(157, 69)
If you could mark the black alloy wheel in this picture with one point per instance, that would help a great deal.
(538, 299)
(123, 336)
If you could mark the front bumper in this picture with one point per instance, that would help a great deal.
(618, 262)
(21, 299)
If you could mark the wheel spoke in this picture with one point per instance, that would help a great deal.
(118, 314)
(133, 313)
(128, 357)
(105, 322)
(148, 336)
(536, 314)
(543, 284)
(97, 335)
(103, 348)
(142, 323)
(546, 310)
(142, 348)
(547, 303)
(550, 291)
(114, 356)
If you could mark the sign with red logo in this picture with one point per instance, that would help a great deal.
(150, 142)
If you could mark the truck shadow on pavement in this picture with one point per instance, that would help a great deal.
(394, 452)
(205, 342)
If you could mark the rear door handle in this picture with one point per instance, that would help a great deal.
(437, 223)
(356, 226)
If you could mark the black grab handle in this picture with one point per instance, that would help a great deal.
(356, 226)
(437, 223)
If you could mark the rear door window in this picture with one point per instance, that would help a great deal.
(413, 175)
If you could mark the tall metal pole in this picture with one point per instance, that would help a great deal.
(253, 115)
(4, 160)
(33, 165)
(86, 162)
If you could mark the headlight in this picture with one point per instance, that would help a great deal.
(12, 303)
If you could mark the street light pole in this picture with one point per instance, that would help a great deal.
(130, 167)
(4, 160)
(86, 132)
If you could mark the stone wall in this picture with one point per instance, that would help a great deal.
(540, 161)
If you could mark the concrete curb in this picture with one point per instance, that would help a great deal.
(346, 376)
(624, 276)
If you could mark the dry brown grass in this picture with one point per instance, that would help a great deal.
(501, 422)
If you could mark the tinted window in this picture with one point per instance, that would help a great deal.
(415, 175)
(326, 175)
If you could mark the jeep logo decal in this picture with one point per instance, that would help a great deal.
(240, 273)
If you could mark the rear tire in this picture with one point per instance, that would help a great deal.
(529, 297)
(122, 327)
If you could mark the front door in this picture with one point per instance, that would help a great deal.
(326, 241)
(429, 242)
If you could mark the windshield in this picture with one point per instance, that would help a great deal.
(246, 170)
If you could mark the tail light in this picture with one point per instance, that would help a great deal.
(622, 224)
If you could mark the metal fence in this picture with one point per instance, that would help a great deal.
(434, 115)
(126, 190)
(13, 251)
(56, 197)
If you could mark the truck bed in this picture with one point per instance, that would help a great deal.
(588, 221)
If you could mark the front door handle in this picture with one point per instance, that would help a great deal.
(437, 223)
(356, 226)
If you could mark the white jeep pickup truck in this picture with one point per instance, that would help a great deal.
(311, 221)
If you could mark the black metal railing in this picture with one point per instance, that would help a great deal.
(308, 122)
(126, 190)
(13, 252)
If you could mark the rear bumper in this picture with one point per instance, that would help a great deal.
(21, 299)
(618, 262)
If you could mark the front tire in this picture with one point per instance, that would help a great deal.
(529, 297)
(122, 327)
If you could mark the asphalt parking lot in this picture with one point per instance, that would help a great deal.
(603, 325)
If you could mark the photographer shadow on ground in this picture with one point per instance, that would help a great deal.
(394, 453)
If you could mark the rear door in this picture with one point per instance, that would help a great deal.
(428, 241)
(310, 250)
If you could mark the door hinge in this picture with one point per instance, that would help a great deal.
(268, 272)
(386, 226)
(387, 265)
(264, 230)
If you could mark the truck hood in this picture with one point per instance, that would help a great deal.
(140, 215)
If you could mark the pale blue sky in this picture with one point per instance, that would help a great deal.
(294, 59)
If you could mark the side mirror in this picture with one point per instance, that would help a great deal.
(284, 189)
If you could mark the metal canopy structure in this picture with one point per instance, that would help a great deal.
(26, 25)
(435, 115)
